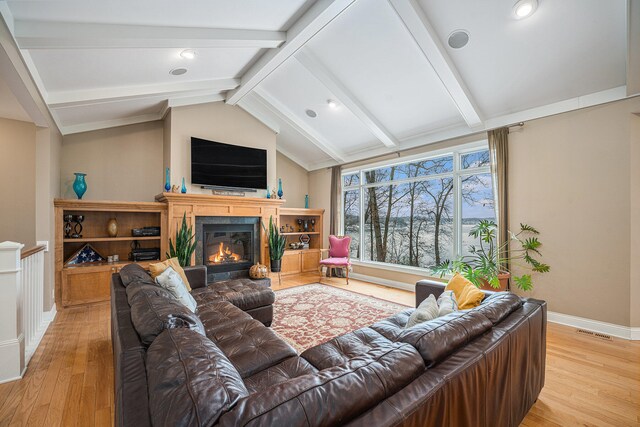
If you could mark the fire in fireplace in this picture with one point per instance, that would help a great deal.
(227, 247)
(224, 255)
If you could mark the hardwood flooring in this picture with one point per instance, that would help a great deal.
(589, 382)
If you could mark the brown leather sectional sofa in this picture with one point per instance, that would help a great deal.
(482, 367)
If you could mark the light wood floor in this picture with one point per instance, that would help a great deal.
(589, 382)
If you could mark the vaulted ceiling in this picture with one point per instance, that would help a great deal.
(394, 81)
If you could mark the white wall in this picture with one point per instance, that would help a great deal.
(295, 181)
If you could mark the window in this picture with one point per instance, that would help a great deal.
(417, 213)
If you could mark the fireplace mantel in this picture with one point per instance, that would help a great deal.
(194, 205)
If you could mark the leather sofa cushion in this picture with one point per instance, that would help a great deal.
(438, 338)
(191, 382)
(332, 396)
(134, 273)
(341, 349)
(292, 367)
(220, 315)
(498, 306)
(152, 313)
(251, 346)
(243, 293)
(136, 288)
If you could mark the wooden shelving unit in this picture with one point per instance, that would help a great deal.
(88, 283)
(297, 261)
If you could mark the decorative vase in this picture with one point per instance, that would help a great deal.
(306, 201)
(268, 193)
(80, 185)
(167, 181)
(258, 271)
(183, 190)
(112, 227)
(280, 193)
(275, 265)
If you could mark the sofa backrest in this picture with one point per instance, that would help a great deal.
(332, 396)
(191, 381)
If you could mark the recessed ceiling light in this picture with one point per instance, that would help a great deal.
(188, 54)
(524, 8)
(178, 71)
(311, 113)
(332, 104)
(458, 39)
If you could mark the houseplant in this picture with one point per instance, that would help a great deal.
(185, 244)
(277, 244)
(485, 264)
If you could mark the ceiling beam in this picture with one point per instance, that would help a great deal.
(87, 127)
(320, 14)
(95, 96)
(286, 115)
(257, 110)
(74, 35)
(416, 22)
(346, 98)
(633, 47)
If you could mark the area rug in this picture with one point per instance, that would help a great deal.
(308, 315)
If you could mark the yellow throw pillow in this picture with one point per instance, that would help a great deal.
(158, 268)
(467, 294)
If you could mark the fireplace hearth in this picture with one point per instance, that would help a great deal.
(227, 246)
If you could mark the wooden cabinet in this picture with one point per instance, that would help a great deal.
(90, 282)
(291, 263)
(310, 260)
(292, 225)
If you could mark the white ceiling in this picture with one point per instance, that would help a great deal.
(386, 62)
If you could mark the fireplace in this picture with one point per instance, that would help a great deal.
(227, 246)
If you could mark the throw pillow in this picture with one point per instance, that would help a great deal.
(467, 294)
(447, 303)
(427, 310)
(157, 268)
(172, 282)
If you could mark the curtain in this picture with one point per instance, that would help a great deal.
(336, 199)
(499, 153)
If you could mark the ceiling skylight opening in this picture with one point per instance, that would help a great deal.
(524, 8)
(188, 54)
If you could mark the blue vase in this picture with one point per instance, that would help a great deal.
(80, 185)
(306, 201)
(184, 186)
(280, 193)
(167, 182)
(268, 193)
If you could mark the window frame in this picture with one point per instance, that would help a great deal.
(457, 175)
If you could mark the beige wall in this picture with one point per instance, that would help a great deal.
(48, 151)
(634, 160)
(320, 197)
(220, 122)
(569, 176)
(295, 181)
(18, 181)
(123, 163)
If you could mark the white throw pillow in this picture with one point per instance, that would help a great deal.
(447, 303)
(172, 282)
(427, 310)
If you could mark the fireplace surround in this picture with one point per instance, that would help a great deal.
(227, 245)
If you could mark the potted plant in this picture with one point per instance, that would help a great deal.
(185, 244)
(485, 265)
(277, 244)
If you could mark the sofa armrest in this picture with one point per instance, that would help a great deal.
(197, 276)
(426, 287)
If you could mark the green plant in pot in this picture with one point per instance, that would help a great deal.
(277, 243)
(485, 264)
(185, 244)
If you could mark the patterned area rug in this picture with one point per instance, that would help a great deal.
(308, 315)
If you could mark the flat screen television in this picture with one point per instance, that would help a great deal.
(214, 164)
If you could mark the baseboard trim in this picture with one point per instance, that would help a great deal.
(612, 329)
(47, 318)
(384, 282)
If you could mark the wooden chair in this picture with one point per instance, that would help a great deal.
(339, 256)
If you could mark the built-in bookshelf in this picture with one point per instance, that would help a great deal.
(89, 282)
(292, 225)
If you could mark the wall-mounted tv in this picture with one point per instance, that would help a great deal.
(214, 164)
